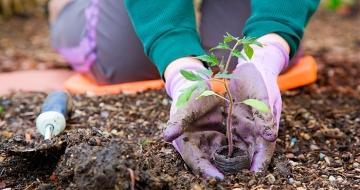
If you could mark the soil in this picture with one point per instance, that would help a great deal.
(112, 141)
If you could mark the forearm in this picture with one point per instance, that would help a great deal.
(285, 18)
(167, 29)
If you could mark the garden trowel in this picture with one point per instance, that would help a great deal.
(49, 123)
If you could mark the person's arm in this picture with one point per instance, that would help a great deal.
(284, 17)
(167, 29)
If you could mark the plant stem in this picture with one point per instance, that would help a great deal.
(222, 97)
(229, 134)
(230, 55)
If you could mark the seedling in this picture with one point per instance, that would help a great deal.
(143, 143)
(336, 4)
(218, 72)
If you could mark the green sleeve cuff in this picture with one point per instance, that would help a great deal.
(260, 28)
(174, 45)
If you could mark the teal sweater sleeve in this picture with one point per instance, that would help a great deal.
(166, 28)
(287, 18)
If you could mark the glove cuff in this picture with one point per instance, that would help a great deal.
(284, 54)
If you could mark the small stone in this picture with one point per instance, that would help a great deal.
(18, 138)
(314, 147)
(196, 187)
(121, 133)
(293, 141)
(271, 179)
(306, 136)
(291, 181)
(337, 163)
(104, 114)
(292, 163)
(166, 150)
(321, 156)
(213, 181)
(332, 178)
(339, 179)
(297, 183)
(165, 102)
(252, 182)
(300, 188)
(302, 157)
(356, 165)
(327, 160)
(290, 155)
(114, 132)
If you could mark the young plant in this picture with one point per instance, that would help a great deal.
(218, 72)
(337, 4)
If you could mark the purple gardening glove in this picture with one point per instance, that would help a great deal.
(204, 114)
(257, 79)
(197, 129)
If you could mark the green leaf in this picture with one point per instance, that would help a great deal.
(223, 46)
(2, 110)
(185, 96)
(210, 59)
(258, 44)
(247, 40)
(206, 72)
(334, 4)
(206, 93)
(201, 86)
(226, 76)
(238, 54)
(189, 75)
(257, 104)
(249, 51)
(229, 38)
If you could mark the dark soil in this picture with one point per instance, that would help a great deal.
(111, 141)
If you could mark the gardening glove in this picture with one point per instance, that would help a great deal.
(194, 147)
(195, 112)
(257, 79)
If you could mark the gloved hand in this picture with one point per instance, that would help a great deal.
(257, 79)
(253, 131)
(204, 114)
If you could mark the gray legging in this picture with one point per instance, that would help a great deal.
(96, 37)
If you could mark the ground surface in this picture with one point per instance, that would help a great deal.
(110, 137)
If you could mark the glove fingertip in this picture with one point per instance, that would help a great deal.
(269, 135)
(172, 132)
(213, 173)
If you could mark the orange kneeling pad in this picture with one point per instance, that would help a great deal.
(79, 84)
(302, 73)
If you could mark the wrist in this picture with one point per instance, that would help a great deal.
(275, 38)
(182, 63)
(174, 81)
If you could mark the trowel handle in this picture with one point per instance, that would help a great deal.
(59, 102)
(54, 112)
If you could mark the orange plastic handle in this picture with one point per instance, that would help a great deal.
(302, 73)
